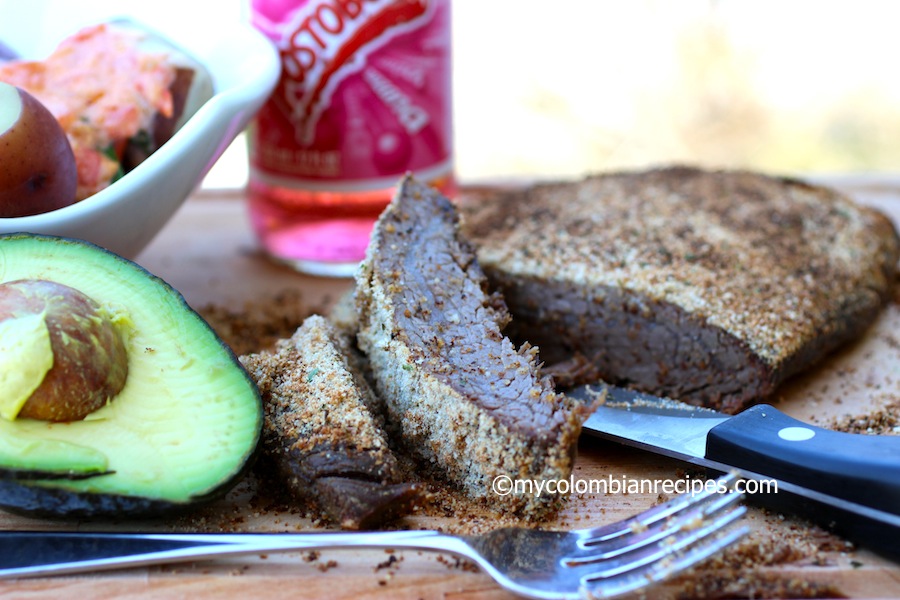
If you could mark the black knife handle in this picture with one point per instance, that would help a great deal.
(860, 468)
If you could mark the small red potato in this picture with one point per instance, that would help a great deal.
(37, 167)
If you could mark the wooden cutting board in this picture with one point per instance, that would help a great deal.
(209, 254)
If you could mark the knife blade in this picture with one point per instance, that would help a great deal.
(847, 482)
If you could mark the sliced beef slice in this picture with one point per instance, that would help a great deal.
(323, 432)
(458, 393)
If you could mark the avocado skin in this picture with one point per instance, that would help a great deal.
(54, 503)
(31, 494)
(32, 474)
(19, 497)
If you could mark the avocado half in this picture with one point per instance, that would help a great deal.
(181, 432)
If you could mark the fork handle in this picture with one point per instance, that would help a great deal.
(30, 553)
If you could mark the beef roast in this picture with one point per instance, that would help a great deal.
(323, 434)
(707, 286)
(458, 393)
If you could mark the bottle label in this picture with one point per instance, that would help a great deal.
(364, 94)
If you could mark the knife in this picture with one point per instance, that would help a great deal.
(847, 482)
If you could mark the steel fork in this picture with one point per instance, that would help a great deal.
(601, 562)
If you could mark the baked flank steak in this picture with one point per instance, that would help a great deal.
(323, 434)
(711, 287)
(459, 395)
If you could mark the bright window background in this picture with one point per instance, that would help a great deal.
(568, 87)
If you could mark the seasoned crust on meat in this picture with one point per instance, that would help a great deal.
(710, 286)
(459, 393)
(322, 431)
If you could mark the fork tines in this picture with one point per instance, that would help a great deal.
(661, 541)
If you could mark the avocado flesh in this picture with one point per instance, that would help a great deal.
(187, 421)
(26, 453)
(26, 358)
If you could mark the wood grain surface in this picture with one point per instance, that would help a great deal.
(209, 254)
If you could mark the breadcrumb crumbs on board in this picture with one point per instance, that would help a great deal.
(259, 323)
(883, 421)
(749, 569)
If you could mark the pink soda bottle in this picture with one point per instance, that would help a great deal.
(364, 97)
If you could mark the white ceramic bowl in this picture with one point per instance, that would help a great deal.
(126, 216)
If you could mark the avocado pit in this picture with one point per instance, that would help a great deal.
(61, 355)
